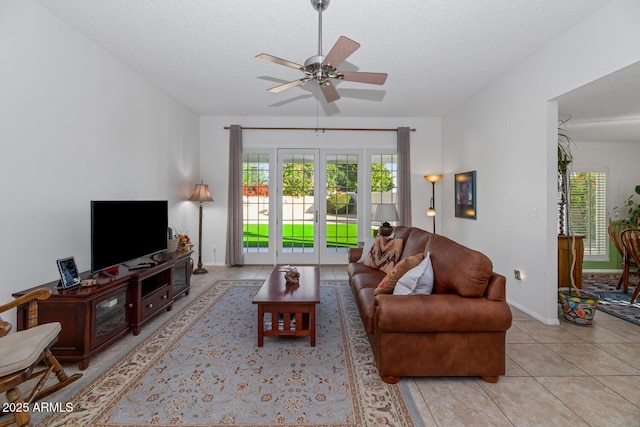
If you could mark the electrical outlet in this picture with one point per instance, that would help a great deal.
(516, 274)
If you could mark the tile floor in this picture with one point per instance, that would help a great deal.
(562, 375)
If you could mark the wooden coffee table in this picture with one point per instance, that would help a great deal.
(292, 307)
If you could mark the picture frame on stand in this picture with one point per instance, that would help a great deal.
(69, 275)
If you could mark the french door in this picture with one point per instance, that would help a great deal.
(313, 196)
(318, 219)
(298, 205)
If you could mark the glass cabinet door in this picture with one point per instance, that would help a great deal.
(111, 315)
(180, 276)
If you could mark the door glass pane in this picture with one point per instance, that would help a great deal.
(342, 193)
(384, 178)
(255, 198)
(298, 210)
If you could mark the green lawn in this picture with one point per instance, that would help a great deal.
(299, 235)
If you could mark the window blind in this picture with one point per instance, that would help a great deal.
(588, 210)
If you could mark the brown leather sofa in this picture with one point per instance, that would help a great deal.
(458, 330)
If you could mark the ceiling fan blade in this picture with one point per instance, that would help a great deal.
(340, 51)
(285, 86)
(330, 93)
(372, 78)
(276, 60)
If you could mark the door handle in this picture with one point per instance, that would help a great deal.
(316, 216)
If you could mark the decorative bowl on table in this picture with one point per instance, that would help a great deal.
(292, 276)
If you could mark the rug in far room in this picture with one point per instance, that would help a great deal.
(203, 368)
(614, 301)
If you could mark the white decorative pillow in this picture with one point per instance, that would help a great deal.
(368, 244)
(418, 280)
(388, 284)
(425, 282)
(407, 283)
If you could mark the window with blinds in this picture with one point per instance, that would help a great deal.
(588, 210)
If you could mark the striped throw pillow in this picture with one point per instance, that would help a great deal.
(384, 254)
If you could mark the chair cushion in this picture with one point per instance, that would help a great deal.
(21, 350)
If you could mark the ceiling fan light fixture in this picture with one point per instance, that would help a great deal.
(320, 5)
(313, 61)
(322, 69)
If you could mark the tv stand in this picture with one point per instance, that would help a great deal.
(94, 317)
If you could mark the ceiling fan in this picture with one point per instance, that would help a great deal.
(322, 69)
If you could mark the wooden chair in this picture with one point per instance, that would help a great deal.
(631, 242)
(614, 230)
(21, 353)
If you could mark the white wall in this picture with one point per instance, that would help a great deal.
(76, 125)
(425, 159)
(508, 134)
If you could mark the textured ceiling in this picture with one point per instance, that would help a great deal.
(437, 53)
(606, 110)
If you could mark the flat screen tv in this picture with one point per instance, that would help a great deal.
(126, 231)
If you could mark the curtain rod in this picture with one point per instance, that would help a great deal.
(323, 129)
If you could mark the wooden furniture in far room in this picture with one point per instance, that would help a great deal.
(631, 242)
(614, 230)
(292, 306)
(577, 245)
(94, 317)
(21, 352)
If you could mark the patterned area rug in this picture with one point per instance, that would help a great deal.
(612, 301)
(203, 368)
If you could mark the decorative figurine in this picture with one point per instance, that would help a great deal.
(292, 276)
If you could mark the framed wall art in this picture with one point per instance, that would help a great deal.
(465, 195)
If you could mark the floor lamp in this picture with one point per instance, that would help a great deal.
(200, 194)
(432, 207)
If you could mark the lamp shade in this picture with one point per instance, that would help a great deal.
(433, 178)
(431, 212)
(386, 212)
(201, 194)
